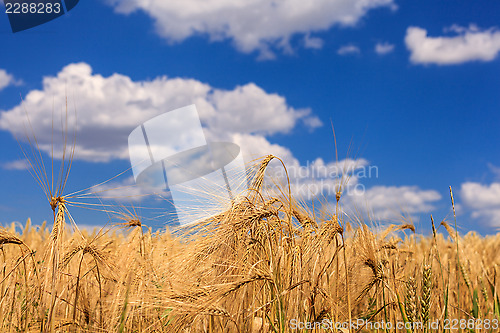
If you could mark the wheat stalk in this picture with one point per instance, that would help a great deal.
(8, 238)
(425, 302)
(411, 300)
(465, 276)
(259, 176)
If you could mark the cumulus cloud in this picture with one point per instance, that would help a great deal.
(7, 79)
(389, 202)
(468, 44)
(251, 24)
(348, 49)
(478, 196)
(109, 108)
(483, 201)
(384, 48)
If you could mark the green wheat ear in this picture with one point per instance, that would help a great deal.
(425, 302)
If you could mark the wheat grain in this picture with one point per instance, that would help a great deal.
(465, 276)
(411, 300)
(59, 222)
(425, 303)
(259, 176)
(8, 238)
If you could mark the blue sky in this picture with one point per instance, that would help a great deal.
(412, 88)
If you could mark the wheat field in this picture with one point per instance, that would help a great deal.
(267, 264)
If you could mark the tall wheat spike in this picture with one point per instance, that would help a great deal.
(56, 239)
(411, 299)
(425, 302)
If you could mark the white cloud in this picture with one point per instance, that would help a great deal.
(7, 79)
(313, 42)
(109, 108)
(469, 44)
(15, 165)
(495, 170)
(483, 201)
(492, 216)
(348, 49)
(120, 191)
(384, 48)
(251, 24)
(389, 202)
(256, 146)
(478, 196)
(249, 109)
